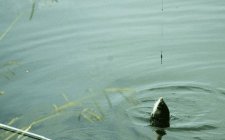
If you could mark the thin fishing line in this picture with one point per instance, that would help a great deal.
(162, 32)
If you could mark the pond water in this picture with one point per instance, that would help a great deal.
(88, 70)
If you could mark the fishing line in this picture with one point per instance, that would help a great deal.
(162, 32)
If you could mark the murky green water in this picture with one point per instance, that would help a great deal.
(88, 70)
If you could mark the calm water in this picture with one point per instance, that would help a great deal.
(88, 70)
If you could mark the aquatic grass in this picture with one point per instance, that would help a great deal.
(11, 122)
(10, 63)
(65, 106)
(119, 90)
(99, 109)
(10, 26)
(65, 97)
(25, 130)
(5, 69)
(24, 138)
(41, 120)
(32, 9)
(29, 127)
(2, 92)
(90, 115)
(129, 99)
(108, 99)
(21, 132)
(10, 136)
(87, 113)
(8, 74)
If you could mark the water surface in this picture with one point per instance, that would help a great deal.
(92, 70)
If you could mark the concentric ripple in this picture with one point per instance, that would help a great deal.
(194, 108)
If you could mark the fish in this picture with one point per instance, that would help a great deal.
(160, 116)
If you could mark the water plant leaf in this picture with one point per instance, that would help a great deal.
(32, 10)
(65, 106)
(11, 122)
(99, 108)
(119, 90)
(7, 74)
(129, 99)
(9, 63)
(108, 100)
(2, 92)
(65, 97)
(90, 115)
(10, 27)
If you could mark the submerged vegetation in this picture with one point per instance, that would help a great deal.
(6, 69)
(2, 35)
(2, 92)
(91, 115)
(16, 19)
(32, 9)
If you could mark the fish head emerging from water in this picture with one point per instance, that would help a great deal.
(160, 116)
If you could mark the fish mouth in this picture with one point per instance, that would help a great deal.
(160, 99)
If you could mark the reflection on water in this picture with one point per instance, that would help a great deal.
(160, 133)
(92, 70)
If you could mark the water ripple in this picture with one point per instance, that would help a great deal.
(193, 106)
